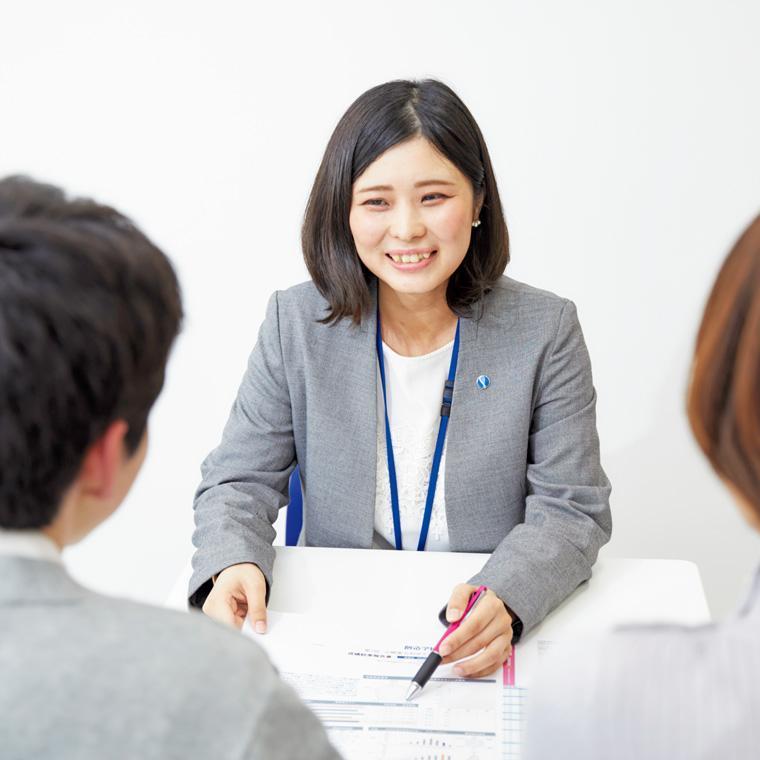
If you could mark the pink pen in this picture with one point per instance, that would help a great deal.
(434, 658)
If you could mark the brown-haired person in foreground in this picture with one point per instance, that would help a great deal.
(89, 309)
(666, 692)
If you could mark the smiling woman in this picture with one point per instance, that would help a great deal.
(413, 225)
(431, 402)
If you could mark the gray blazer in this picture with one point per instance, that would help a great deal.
(523, 480)
(86, 677)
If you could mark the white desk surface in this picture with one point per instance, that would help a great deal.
(370, 585)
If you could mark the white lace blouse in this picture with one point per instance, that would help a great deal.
(414, 386)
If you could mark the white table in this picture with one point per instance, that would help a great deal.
(365, 589)
(374, 584)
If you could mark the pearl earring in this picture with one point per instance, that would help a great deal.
(476, 223)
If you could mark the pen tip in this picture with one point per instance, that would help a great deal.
(413, 689)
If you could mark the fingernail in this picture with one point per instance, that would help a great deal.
(453, 614)
(459, 671)
(261, 626)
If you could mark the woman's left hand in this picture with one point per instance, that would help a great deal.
(487, 627)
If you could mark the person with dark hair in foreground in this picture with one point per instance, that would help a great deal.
(662, 692)
(89, 309)
(430, 402)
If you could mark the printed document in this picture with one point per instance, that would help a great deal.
(356, 683)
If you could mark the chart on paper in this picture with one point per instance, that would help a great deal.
(358, 693)
(512, 713)
(366, 715)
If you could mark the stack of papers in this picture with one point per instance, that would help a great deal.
(356, 682)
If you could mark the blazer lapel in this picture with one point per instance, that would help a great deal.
(471, 413)
(364, 450)
(346, 449)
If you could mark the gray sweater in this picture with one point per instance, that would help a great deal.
(86, 677)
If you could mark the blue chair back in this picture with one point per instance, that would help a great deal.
(294, 515)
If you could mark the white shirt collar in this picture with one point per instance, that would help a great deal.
(30, 544)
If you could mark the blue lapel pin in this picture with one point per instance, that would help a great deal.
(483, 382)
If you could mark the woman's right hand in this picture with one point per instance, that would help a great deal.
(239, 592)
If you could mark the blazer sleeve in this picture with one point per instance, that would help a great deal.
(245, 479)
(567, 512)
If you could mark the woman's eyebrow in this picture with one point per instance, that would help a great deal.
(388, 188)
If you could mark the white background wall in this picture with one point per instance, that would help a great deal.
(625, 141)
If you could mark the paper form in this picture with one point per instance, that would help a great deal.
(356, 685)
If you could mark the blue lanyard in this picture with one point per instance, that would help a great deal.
(448, 394)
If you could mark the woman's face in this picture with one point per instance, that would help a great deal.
(411, 217)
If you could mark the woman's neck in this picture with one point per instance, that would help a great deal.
(415, 324)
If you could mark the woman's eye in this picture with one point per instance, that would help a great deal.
(433, 196)
(374, 202)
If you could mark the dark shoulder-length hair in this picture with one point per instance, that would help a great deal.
(724, 392)
(382, 117)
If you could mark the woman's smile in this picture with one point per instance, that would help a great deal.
(411, 259)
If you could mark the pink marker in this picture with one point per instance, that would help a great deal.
(434, 658)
